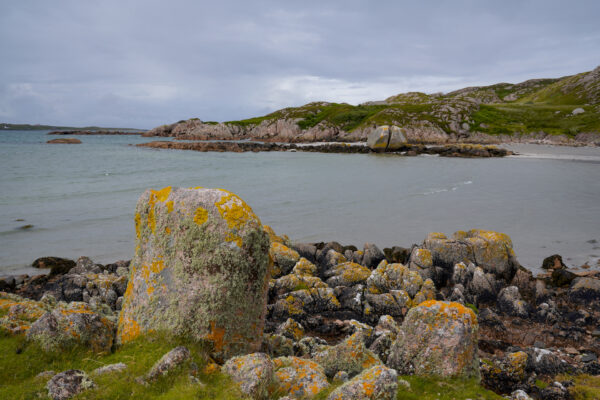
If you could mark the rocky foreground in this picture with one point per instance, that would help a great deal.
(292, 320)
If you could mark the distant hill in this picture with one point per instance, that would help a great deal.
(28, 127)
(559, 110)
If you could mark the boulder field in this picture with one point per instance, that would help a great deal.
(290, 320)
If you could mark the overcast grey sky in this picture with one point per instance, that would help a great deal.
(144, 63)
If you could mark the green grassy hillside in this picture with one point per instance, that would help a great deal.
(536, 105)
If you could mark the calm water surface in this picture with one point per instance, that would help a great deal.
(80, 198)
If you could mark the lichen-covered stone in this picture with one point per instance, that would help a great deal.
(299, 303)
(304, 267)
(377, 382)
(347, 274)
(298, 377)
(284, 257)
(200, 270)
(309, 346)
(107, 369)
(253, 373)
(67, 384)
(72, 324)
(20, 312)
(276, 345)
(167, 363)
(386, 277)
(437, 338)
(490, 250)
(504, 374)
(291, 329)
(350, 355)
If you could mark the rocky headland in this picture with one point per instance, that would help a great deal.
(562, 111)
(95, 132)
(271, 318)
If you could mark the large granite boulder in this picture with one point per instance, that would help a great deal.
(386, 138)
(73, 324)
(492, 251)
(200, 270)
(437, 338)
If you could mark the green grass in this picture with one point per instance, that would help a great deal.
(523, 118)
(586, 387)
(20, 363)
(429, 388)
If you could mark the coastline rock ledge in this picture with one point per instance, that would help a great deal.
(200, 270)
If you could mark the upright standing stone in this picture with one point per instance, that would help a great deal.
(201, 270)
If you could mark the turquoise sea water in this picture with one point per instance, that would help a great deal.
(80, 198)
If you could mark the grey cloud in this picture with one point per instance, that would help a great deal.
(144, 63)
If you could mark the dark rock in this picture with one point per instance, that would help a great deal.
(64, 141)
(67, 384)
(396, 254)
(7, 283)
(57, 265)
(556, 391)
(372, 256)
(586, 289)
(588, 357)
(555, 261)
(562, 277)
(545, 362)
(510, 302)
(592, 368)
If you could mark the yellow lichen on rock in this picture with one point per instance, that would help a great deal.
(200, 216)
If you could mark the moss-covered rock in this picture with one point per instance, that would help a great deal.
(200, 270)
(347, 274)
(291, 329)
(377, 382)
(350, 355)
(285, 258)
(437, 338)
(20, 313)
(73, 324)
(253, 373)
(298, 378)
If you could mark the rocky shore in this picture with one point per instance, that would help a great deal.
(290, 320)
(455, 150)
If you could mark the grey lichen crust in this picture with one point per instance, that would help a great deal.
(200, 270)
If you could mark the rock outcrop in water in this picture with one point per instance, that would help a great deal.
(201, 270)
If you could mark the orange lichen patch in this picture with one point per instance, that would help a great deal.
(491, 236)
(167, 230)
(152, 220)
(169, 206)
(160, 195)
(217, 336)
(236, 213)
(451, 309)
(211, 368)
(138, 224)
(129, 329)
(436, 235)
(424, 257)
(272, 235)
(200, 216)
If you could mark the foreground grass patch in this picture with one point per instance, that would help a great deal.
(21, 363)
(429, 388)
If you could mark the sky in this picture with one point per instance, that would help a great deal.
(144, 63)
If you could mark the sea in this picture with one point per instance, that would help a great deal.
(70, 200)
